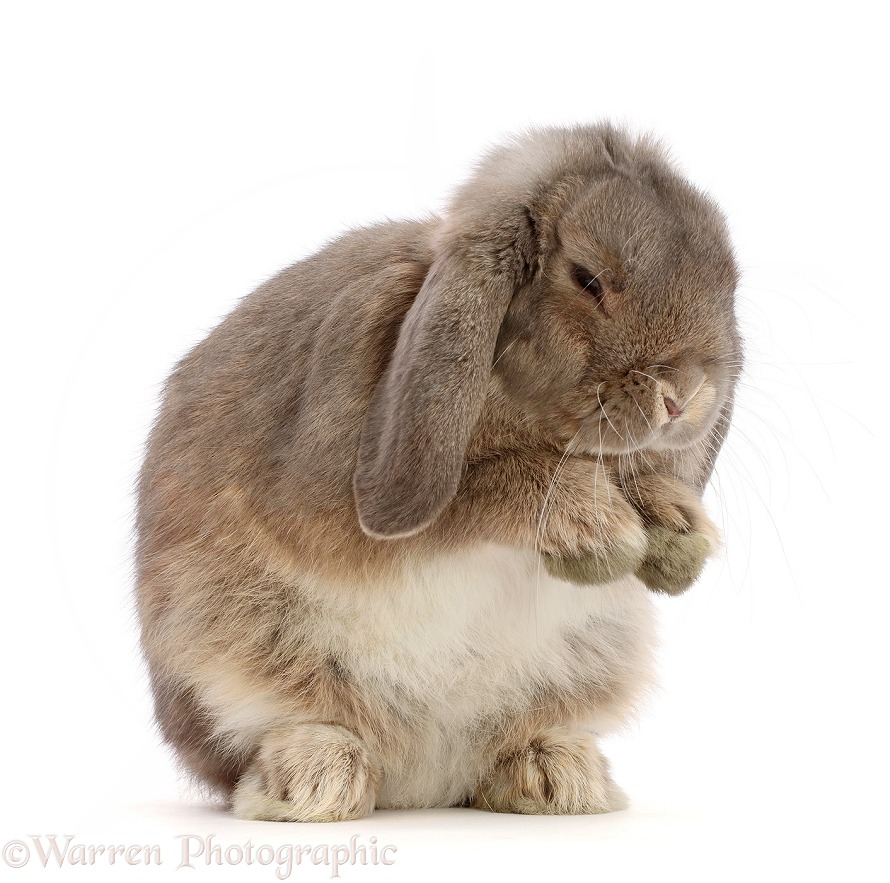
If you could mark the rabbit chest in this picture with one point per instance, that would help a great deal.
(463, 643)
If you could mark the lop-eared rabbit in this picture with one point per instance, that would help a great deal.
(402, 511)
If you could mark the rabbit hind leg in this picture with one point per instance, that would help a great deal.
(559, 772)
(308, 773)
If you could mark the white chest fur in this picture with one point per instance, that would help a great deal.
(466, 638)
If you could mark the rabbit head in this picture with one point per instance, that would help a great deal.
(584, 274)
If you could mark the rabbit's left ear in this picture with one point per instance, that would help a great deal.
(423, 411)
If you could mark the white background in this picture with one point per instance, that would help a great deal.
(161, 159)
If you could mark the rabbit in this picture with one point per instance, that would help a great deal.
(403, 512)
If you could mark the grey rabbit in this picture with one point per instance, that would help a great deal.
(402, 512)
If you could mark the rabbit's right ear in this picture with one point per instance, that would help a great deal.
(422, 414)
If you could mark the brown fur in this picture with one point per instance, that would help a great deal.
(416, 389)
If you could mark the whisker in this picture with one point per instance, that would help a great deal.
(778, 432)
(644, 374)
(542, 520)
(643, 413)
(666, 367)
(633, 475)
(605, 413)
(643, 229)
(504, 352)
(594, 279)
(596, 475)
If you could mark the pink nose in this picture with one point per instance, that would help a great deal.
(673, 410)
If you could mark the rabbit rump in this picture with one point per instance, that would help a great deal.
(401, 511)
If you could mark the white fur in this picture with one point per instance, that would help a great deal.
(458, 642)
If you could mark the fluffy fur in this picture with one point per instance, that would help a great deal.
(399, 510)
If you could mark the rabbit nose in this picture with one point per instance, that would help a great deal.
(673, 409)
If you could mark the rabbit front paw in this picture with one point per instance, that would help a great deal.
(591, 535)
(597, 565)
(681, 536)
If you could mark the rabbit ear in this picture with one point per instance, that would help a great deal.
(423, 411)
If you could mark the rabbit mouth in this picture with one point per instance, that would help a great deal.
(629, 416)
(601, 434)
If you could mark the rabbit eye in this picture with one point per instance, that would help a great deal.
(588, 283)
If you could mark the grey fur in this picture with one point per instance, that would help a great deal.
(419, 390)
